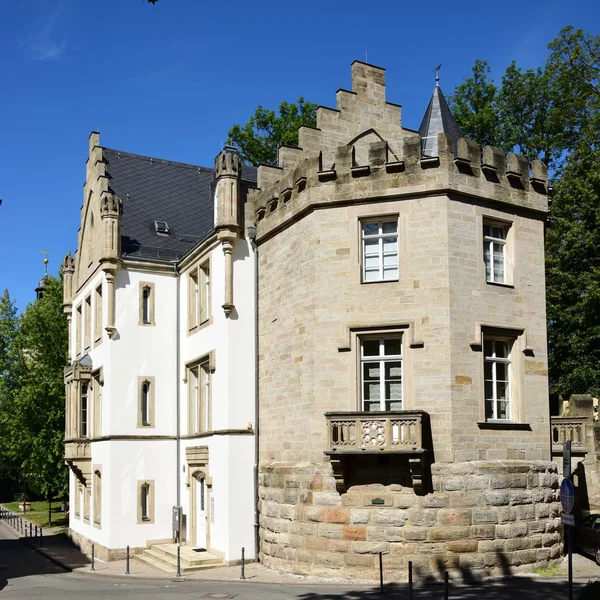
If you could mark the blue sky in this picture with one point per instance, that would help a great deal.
(169, 80)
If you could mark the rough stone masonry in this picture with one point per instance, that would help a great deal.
(438, 482)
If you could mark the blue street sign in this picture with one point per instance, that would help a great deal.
(567, 495)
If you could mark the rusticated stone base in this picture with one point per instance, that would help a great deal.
(481, 519)
(84, 544)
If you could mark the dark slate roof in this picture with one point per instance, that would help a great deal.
(438, 118)
(160, 190)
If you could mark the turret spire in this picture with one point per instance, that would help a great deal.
(438, 119)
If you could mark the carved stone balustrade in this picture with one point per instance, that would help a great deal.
(572, 429)
(359, 433)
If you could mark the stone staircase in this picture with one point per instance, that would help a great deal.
(164, 557)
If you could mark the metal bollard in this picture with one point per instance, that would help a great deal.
(243, 575)
(30, 530)
(127, 563)
(381, 572)
(41, 537)
(26, 530)
(92, 567)
(410, 581)
(36, 531)
(178, 574)
(446, 585)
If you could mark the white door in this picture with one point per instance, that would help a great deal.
(200, 513)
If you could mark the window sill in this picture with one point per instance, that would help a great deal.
(504, 425)
(380, 281)
(509, 286)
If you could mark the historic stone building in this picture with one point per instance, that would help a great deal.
(342, 358)
(402, 348)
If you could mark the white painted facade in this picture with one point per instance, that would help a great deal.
(128, 453)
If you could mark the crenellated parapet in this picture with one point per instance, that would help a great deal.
(360, 151)
(461, 168)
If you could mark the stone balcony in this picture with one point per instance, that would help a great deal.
(573, 429)
(376, 433)
(78, 456)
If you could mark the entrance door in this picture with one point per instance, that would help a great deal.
(200, 513)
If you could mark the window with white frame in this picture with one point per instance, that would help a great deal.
(495, 252)
(381, 373)
(380, 250)
(199, 394)
(83, 411)
(199, 295)
(497, 378)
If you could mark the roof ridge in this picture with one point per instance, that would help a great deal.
(159, 160)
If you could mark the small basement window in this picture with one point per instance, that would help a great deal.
(162, 227)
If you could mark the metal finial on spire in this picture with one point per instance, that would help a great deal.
(45, 253)
(437, 75)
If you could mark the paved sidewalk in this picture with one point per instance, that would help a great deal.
(60, 550)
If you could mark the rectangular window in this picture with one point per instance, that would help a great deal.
(77, 499)
(494, 252)
(98, 315)
(97, 406)
(199, 393)
(83, 406)
(78, 329)
(199, 296)
(88, 323)
(381, 368)
(380, 250)
(86, 502)
(497, 379)
(146, 402)
(97, 498)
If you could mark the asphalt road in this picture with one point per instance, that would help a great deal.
(27, 575)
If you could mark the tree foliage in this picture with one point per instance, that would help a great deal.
(260, 138)
(32, 398)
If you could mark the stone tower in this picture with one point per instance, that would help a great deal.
(402, 349)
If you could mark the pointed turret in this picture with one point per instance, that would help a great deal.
(438, 118)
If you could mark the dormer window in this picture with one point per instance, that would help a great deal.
(162, 227)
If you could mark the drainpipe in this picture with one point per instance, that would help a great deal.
(177, 394)
(252, 237)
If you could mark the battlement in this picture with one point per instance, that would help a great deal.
(306, 180)
(359, 151)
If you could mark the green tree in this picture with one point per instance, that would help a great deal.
(259, 139)
(573, 276)
(32, 413)
(475, 107)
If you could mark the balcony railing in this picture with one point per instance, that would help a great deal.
(571, 429)
(358, 432)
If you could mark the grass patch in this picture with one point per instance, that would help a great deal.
(38, 514)
(548, 571)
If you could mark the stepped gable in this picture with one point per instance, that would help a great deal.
(360, 151)
(152, 190)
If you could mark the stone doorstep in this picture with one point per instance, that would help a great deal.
(164, 557)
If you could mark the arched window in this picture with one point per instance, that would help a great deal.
(145, 403)
(144, 496)
(146, 306)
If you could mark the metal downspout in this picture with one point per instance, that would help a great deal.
(177, 393)
(256, 425)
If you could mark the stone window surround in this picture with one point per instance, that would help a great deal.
(87, 319)
(77, 507)
(150, 287)
(151, 408)
(97, 383)
(150, 500)
(510, 248)
(198, 321)
(98, 314)
(518, 336)
(354, 334)
(86, 502)
(379, 219)
(97, 498)
(208, 358)
(78, 328)
(80, 429)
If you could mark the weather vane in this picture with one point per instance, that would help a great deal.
(437, 75)
(45, 253)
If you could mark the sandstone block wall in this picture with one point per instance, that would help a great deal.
(484, 519)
